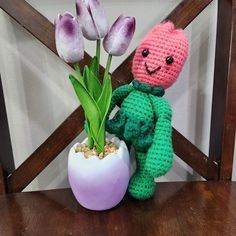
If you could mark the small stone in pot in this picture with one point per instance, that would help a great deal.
(109, 148)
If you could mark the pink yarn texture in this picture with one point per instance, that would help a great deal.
(161, 55)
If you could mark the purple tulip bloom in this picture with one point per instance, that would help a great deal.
(92, 19)
(69, 38)
(119, 36)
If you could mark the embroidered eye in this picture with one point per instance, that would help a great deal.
(145, 52)
(169, 60)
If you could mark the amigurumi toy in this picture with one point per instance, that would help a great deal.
(144, 117)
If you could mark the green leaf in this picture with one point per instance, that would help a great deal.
(95, 86)
(104, 104)
(94, 66)
(105, 97)
(89, 132)
(99, 145)
(94, 137)
(102, 136)
(90, 107)
(86, 77)
(79, 76)
(92, 83)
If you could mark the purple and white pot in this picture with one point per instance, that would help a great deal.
(99, 184)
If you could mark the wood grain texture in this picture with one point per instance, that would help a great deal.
(2, 181)
(187, 11)
(197, 208)
(6, 153)
(227, 83)
(23, 13)
(223, 44)
(194, 157)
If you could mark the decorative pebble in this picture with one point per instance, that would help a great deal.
(109, 148)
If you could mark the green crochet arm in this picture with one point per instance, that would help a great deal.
(160, 154)
(118, 96)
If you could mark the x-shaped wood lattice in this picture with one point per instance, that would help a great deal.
(181, 16)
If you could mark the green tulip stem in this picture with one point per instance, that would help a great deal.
(98, 50)
(77, 69)
(108, 65)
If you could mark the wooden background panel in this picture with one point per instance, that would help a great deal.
(194, 157)
(2, 181)
(6, 154)
(224, 27)
(223, 121)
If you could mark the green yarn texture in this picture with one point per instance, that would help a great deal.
(143, 121)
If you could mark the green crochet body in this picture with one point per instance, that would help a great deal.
(144, 121)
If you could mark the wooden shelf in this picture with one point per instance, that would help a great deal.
(181, 208)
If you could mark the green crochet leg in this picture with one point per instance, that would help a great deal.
(141, 185)
(160, 154)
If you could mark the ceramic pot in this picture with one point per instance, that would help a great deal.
(99, 184)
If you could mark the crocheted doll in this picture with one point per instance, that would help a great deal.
(144, 117)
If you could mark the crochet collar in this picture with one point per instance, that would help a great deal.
(156, 91)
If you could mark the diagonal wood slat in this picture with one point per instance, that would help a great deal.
(186, 11)
(43, 30)
(190, 154)
(46, 152)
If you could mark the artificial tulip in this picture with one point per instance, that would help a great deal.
(119, 36)
(69, 38)
(92, 18)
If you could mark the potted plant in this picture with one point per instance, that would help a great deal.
(98, 168)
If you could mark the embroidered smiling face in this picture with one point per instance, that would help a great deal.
(161, 55)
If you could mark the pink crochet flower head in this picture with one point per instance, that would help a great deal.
(161, 55)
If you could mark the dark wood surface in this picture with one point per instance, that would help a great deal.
(37, 25)
(6, 154)
(197, 208)
(2, 182)
(194, 157)
(188, 10)
(224, 27)
(229, 119)
(223, 121)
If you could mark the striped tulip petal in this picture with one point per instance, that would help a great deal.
(69, 38)
(119, 36)
(92, 18)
